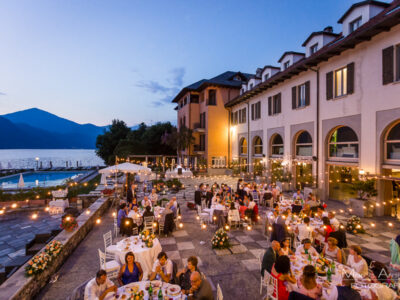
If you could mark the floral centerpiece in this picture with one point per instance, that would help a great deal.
(69, 223)
(354, 225)
(147, 238)
(37, 264)
(220, 240)
(53, 248)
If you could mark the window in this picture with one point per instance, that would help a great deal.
(256, 111)
(251, 86)
(241, 91)
(242, 115)
(277, 145)
(397, 63)
(243, 146)
(302, 96)
(392, 143)
(343, 143)
(354, 25)
(202, 145)
(203, 120)
(274, 104)
(266, 76)
(286, 65)
(313, 48)
(235, 118)
(194, 98)
(304, 144)
(212, 99)
(257, 146)
(185, 101)
(218, 162)
(341, 82)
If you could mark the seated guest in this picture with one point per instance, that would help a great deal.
(307, 210)
(148, 212)
(285, 247)
(332, 251)
(122, 213)
(246, 200)
(380, 274)
(242, 211)
(201, 288)
(307, 285)
(146, 202)
(321, 212)
(281, 271)
(184, 274)
(134, 202)
(345, 291)
(298, 195)
(99, 287)
(334, 222)
(162, 268)
(251, 204)
(173, 205)
(327, 229)
(305, 230)
(131, 271)
(340, 236)
(296, 207)
(270, 257)
(305, 248)
(281, 220)
(153, 197)
(312, 202)
(356, 261)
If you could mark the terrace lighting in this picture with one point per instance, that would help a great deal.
(34, 216)
(181, 225)
(87, 211)
(203, 226)
(98, 221)
(46, 208)
(14, 205)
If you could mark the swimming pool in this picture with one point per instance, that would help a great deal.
(42, 179)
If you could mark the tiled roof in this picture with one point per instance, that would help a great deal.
(290, 52)
(318, 33)
(386, 19)
(225, 79)
(367, 2)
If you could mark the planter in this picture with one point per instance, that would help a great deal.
(358, 208)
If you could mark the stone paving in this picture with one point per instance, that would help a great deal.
(17, 229)
(237, 270)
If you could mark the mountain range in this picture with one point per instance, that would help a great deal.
(38, 129)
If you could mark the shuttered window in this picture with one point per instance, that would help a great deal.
(397, 62)
(340, 82)
(301, 95)
(256, 111)
(274, 105)
(387, 65)
(242, 115)
(329, 85)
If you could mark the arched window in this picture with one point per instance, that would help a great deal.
(392, 143)
(257, 146)
(304, 144)
(343, 143)
(243, 146)
(277, 145)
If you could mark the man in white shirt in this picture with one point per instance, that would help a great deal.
(99, 287)
(334, 222)
(305, 230)
(154, 197)
(162, 268)
(146, 202)
(306, 249)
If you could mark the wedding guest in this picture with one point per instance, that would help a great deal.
(305, 249)
(184, 274)
(153, 197)
(134, 202)
(99, 287)
(334, 222)
(356, 261)
(305, 230)
(307, 284)
(131, 271)
(345, 291)
(162, 268)
(332, 251)
(201, 288)
(285, 248)
(327, 228)
(146, 202)
(298, 195)
(269, 257)
(281, 271)
(148, 212)
(122, 213)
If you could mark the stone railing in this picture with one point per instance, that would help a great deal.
(19, 287)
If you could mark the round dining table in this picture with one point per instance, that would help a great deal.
(145, 256)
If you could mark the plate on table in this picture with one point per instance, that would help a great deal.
(156, 283)
(174, 290)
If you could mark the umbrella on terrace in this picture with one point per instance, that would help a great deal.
(21, 182)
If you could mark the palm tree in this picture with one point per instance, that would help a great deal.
(181, 139)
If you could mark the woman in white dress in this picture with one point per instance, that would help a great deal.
(332, 251)
(356, 261)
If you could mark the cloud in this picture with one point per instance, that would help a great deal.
(168, 92)
(2, 94)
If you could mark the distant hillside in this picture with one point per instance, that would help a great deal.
(35, 128)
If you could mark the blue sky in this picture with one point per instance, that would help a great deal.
(93, 61)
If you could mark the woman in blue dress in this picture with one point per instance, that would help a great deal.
(131, 271)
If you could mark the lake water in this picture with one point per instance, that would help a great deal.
(26, 158)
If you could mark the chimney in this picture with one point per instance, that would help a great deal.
(328, 29)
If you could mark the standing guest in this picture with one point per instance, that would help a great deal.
(380, 274)
(198, 194)
(162, 268)
(173, 206)
(332, 251)
(285, 247)
(99, 287)
(356, 261)
(395, 253)
(305, 230)
(154, 197)
(307, 285)
(122, 213)
(239, 183)
(146, 202)
(184, 274)
(298, 195)
(129, 194)
(209, 195)
(201, 288)
(334, 222)
(281, 271)
(305, 249)
(270, 257)
(131, 271)
(345, 291)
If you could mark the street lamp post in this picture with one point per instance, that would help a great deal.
(37, 162)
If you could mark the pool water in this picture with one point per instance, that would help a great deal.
(42, 179)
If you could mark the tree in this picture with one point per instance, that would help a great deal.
(180, 140)
(108, 141)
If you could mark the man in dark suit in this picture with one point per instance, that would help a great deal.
(209, 195)
(198, 195)
(270, 257)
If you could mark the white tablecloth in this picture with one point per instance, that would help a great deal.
(137, 217)
(125, 290)
(145, 256)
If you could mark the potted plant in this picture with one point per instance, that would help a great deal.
(365, 191)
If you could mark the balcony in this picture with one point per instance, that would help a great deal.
(198, 127)
(199, 149)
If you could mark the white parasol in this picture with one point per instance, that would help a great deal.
(21, 182)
